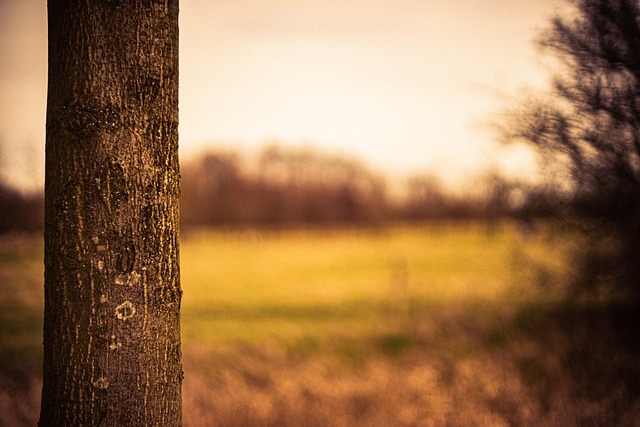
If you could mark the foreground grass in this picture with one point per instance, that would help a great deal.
(402, 326)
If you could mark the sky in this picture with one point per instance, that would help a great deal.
(407, 86)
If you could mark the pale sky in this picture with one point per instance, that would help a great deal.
(404, 85)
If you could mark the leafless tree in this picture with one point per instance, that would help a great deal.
(589, 126)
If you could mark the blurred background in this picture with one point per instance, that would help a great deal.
(359, 245)
(404, 87)
(402, 91)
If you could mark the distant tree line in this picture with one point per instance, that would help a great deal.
(298, 187)
(283, 187)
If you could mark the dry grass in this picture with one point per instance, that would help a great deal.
(20, 388)
(516, 370)
(390, 380)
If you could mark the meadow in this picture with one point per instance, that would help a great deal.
(451, 324)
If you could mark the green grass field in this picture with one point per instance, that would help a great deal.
(256, 286)
(408, 325)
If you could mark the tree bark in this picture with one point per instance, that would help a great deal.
(112, 289)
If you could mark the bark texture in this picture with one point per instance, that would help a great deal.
(112, 290)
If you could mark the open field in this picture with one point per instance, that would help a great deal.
(402, 326)
(255, 286)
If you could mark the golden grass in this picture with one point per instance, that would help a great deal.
(256, 285)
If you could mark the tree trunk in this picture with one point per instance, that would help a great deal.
(112, 290)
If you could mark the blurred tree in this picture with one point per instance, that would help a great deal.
(318, 187)
(426, 198)
(20, 212)
(112, 291)
(287, 187)
(589, 126)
